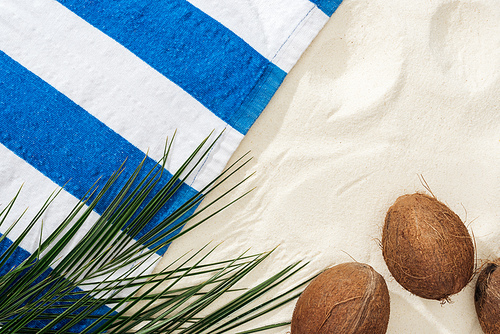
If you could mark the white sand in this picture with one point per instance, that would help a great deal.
(389, 90)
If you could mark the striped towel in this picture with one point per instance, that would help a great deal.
(87, 84)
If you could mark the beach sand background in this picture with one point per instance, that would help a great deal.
(389, 92)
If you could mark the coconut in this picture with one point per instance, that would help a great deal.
(426, 247)
(487, 297)
(348, 298)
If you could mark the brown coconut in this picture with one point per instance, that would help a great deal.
(487, 297)
(348, 298)
(426, 247)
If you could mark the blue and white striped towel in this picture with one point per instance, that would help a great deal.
(85, 84)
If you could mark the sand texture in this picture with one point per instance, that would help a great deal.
(390, 91)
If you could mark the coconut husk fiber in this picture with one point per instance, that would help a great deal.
(487, 297)
(349, 298)
(426, 247)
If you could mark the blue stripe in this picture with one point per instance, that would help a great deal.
(190, 48)
(15, 260)
(327, 6)
(64, 142)
(258, 98)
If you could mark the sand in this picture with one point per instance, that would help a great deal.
(391, 93)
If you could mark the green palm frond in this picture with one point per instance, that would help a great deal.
(105, 283)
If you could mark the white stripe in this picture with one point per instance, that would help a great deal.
(300, 39)
(111, 83)
(36, 188)
(278, 30)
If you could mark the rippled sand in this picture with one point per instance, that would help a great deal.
(388, 92)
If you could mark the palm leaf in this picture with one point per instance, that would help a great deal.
(105, 283)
